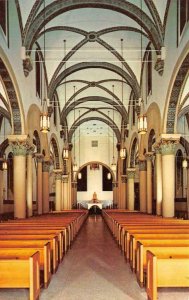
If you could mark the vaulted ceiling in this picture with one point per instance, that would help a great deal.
(93, 55)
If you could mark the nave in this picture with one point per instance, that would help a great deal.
(94, 269)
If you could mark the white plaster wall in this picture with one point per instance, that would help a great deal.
(89, 153)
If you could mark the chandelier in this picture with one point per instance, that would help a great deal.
(44, 116)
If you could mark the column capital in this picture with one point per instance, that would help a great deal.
(74, 184)
(149, 156)
(167, 143)
(45, 166)
(39, 157)
(157, 148)
(65, 178)
(114, 184)
(142, 165)
(131, 173)
(124, 178)
(58, 174)
(19, 143)
(30, 149)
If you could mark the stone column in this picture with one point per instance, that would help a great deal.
(74, 193)
(158, 170)
(29, 186)
(58, 189)
(149, 157)
(123, 194)
(168, 177)
(19, 145)
(1, 189)
(188, 191)
(69, 205)
(114, 187)
(65, 192)
(39, 158)
(130, 188)
(142, 183)
(45, 186)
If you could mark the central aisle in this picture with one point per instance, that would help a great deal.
(94, 269)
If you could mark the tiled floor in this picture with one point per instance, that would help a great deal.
(94, 269)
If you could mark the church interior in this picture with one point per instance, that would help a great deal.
(94, 149)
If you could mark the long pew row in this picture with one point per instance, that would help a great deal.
(156, 248)
(31, 249)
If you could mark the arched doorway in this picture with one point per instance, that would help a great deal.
(95, 180)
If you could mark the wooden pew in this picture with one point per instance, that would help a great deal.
(155, 245)
(35, 230)
(28, 228)
(21, 272)
(166, 270)
(24, 246)
(152, 229)
(53, 239)
(148, 225)
(134, 238)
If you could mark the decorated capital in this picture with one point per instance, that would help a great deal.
(19, 144)
(142, 165)
(58, 174)
(131, 173)
(45, 166)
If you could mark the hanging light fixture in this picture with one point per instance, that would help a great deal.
(44, 117)
(108, 174)
(113, 165)
(4, 163)
(123, 148)
(142, 118)
(184, 162)
(75, 168)
(79, 174)
(65, 153)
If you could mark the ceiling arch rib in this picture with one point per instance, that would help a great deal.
(97, 99)
(94, 84)
(81, 121)
(103, 65)
(83, 42)
(31, 16)
(5, 113)
(89, 110)
(58, 7)
(88, 82)
(121, 28)
(66, 58)
(118, 56)
(155, 15)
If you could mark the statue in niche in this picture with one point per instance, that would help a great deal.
(94, 199)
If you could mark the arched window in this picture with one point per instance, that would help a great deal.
(134, 154)
(36, 142)
(151, 140)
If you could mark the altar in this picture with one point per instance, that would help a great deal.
(89, 205)
(94, 202)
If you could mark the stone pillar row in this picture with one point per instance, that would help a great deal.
(23, 178)
(63, 195)
(165, 177)
(130, 188)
